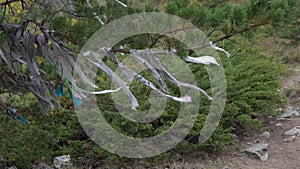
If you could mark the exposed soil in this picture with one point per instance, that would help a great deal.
(282, 155)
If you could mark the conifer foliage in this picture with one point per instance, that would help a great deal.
(40, 42)
(40, 36)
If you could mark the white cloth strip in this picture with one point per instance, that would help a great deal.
(206, 60)
(220, 49)
(121, 3)
(95, 14)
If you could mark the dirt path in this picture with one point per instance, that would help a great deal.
(282, 155)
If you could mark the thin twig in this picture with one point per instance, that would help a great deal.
(94, 13)
(227, 36)
(8, 2)
(165, 34)
(196, 47)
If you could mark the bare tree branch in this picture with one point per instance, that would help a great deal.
(228, 36)
(8, 2)
(167, 33)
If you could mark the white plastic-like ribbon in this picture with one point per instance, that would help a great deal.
(150, 60)
(95, 92)
(220, 49)
(185, 99)
(206, 60)
(100, 2)
(121, 3)
(86, 54)
(95, 14)
(97, 61)
(98, 18)
(131, 75)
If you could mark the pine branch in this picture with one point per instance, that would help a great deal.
(226, 37)
(167, 33)
(6, 26)
(8, 2)
(241, 31)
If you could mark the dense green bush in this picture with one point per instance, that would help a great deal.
(46, 136)
(252, 85)
(252, 92)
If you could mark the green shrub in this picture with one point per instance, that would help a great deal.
(252, 92)
(46, 137)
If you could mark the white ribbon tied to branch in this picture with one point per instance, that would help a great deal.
(220, 49)
(206, 60)
(121, 3)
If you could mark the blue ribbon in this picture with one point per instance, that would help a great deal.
(76, 101)
(60, 91)
(11, 112)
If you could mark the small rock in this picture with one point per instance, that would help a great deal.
(258, 140)
(278, 125)
(290, 112)
(226, 167)
(173, 50)
(283, 119)
(290, 139)
(13, 167)
(2, 163)
(266, 135)
(292, 132)
(249, 143)
(42, 166)
(61, 161)
(298, 109)
(260, 150)
(235, 137)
